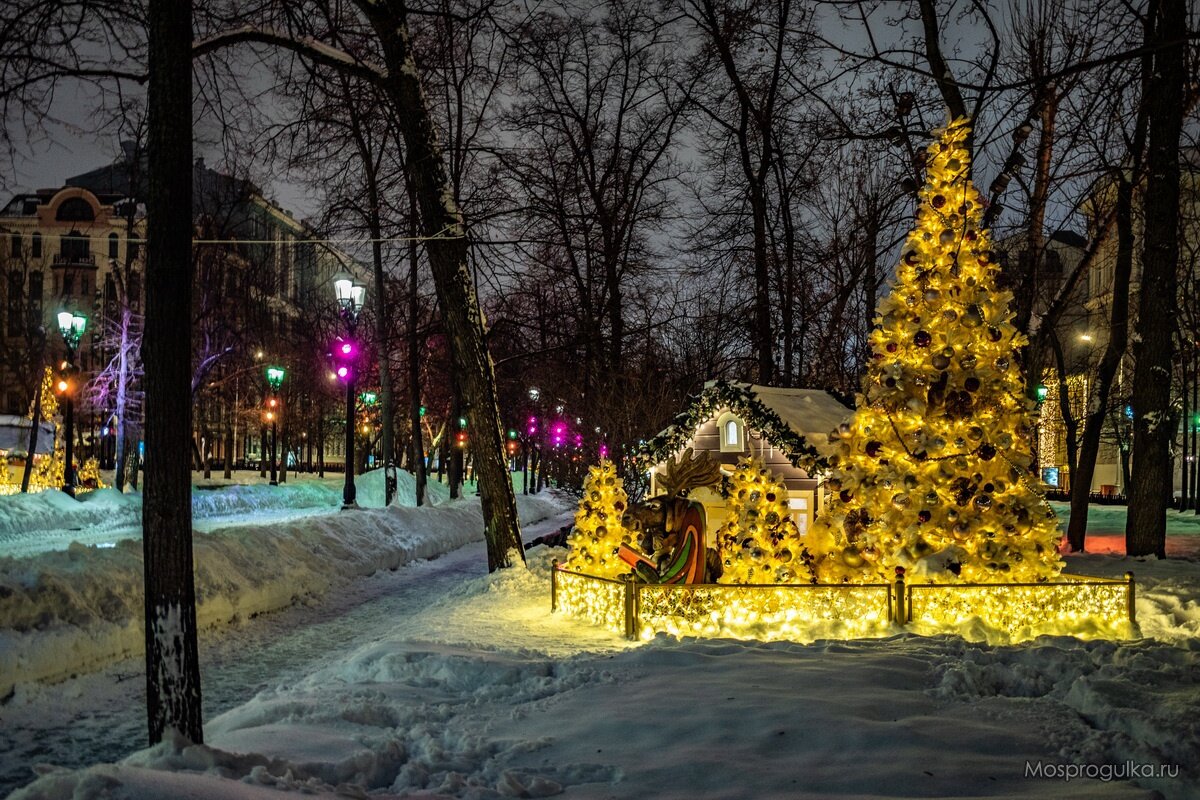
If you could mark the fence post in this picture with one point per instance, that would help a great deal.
(1131, 598)
(901, 617)
(630, 613)
(554, 586)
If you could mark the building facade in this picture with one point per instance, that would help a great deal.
(261, 276)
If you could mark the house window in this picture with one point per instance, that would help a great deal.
(113, 243)
(36, 251)
(800, 511)
(16, 245)
(733, 433)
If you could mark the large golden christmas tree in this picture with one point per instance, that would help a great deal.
(932, 473)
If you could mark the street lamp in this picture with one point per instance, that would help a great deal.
(275, 376)
(71, 326)
(350, 300)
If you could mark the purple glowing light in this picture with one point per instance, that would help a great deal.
(343, 373)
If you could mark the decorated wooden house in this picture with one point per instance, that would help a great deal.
(786, 429)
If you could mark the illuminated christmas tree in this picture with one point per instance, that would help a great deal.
(48, 472)
(932, 472)
(598, 531)
(759, 542)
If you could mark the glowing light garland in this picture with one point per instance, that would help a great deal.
(1080, 606)
(742, 401)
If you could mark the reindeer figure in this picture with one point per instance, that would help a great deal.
(671, 527)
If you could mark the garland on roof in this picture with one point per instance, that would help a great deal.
(741, 400)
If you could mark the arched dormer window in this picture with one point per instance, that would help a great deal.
(733, 433)
(113, 244)
(75, 209)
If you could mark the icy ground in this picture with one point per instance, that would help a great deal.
(460, 684)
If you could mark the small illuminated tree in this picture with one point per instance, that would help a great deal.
(759, 542)
(598, 531)
(49, 472)
(932, 473)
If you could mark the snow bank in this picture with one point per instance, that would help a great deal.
(70, 611)
(51, 520)
(482, 694)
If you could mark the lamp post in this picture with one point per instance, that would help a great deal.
(71, 326)
(275, 377)
(351, 297)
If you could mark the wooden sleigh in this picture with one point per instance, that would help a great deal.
(686, 560)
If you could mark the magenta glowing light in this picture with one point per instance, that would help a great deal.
(603, 450)
(343, 373)
(347, 348)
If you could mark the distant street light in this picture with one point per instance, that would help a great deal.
(71, 326)
(350, 299)
(275, 376)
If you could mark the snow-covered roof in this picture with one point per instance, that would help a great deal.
(812, 413)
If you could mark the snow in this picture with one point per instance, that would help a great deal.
(66, 611)
(476, 691)
(51, 520)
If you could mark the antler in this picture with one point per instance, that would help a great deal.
(688, 472)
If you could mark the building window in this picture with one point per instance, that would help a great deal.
(36, 250)
(16, 245)
(15, 295)
(75, 248)
(35, 299)
(113, 243)
(733, 433)
(75, 209)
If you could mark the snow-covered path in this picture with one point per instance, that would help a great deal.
(439, 680)
(101, 717)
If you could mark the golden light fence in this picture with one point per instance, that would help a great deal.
(744, 611)
(1074, 605)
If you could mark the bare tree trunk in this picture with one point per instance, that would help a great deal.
(229, 446)
(381, 306)
(1106, 371)
(1070, 422)
(937, 63)
(417, 467)
(122, 407)
(1154, 418)
(454, 470)
(320, 441)
(172, 659)
(448, 261)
